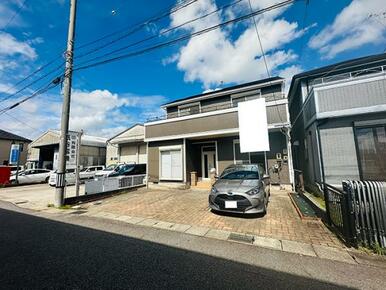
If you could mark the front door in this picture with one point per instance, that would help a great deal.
(208, 161)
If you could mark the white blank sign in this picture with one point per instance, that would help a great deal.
(253, 126)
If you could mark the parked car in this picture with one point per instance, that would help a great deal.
(89, 171)
(241, 189)
(129, 169)
(31, 176)
(109, 169)
(70, 177)
(14, 168)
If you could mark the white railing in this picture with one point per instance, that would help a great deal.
(211, 108)
(105, 184)
(349, 75)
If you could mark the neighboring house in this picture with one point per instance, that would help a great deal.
(338, 117)
(6, 140)
(128, 146)
(44, 150)
(201, 132)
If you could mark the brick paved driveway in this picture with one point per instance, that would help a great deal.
(191, 207)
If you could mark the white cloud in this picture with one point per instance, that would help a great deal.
(6, 12)
(352, 28)
(215, 57)
(10, 46)
(288, 73)
(6, 88)
(99, 112)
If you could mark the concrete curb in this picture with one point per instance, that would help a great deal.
(294, 247)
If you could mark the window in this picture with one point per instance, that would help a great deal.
(248, 96)
(171, 164)
(371, 144)
(189, 109)
(240, 158)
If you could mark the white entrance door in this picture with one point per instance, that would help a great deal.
(208, 162)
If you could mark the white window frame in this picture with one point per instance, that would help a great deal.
(181, 107)
(237, 141)
(171, 148)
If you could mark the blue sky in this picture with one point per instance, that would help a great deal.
(109, 98)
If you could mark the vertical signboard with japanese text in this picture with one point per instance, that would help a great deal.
(72, 144)
(14, 154)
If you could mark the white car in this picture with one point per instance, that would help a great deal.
(70, 177)
(14, 168)
(31, 176)
(89, 171)
(109, 169)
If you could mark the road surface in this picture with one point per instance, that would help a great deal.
(79, 252)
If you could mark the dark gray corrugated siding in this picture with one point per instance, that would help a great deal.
(339, 154)
(353, 96)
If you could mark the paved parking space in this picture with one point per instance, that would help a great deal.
(34, 196)
(190, 207)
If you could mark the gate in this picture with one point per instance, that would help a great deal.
(358, 212)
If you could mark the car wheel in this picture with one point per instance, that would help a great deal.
(47, 179)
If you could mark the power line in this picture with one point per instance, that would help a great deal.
(137, 28)
(167, 10)
(14, 15)
(190, 35)
(264, 58)
(38, 92)
(164, 32)
(163, 44)
(30, 75)
(22, 122)
(165, 13)
(32, 83)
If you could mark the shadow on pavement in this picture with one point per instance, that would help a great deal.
(37, 253)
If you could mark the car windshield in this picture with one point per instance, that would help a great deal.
(84, 169)
(110, 167)
(119, 167)
(241, 174)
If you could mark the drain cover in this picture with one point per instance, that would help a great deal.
(241, 238)
(79, 212)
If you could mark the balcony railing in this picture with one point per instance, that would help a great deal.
(349, 75)
(210, 108)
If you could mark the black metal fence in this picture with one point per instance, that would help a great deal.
(358, 212)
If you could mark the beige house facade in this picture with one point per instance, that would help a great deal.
(43, 152)
(6, 140)
(201, 133)
(127, 147)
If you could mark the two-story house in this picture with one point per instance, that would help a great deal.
(201, 133)
(338, 118)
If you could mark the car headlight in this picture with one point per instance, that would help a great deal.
(253, 191)
(213, 190)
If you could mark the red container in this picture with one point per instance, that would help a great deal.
(5, 174)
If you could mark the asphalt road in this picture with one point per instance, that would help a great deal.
(38, 253)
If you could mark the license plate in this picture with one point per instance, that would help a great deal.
(231, 204)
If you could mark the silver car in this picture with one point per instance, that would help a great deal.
(241, 189)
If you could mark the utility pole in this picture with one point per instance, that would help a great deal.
(60, 178)
(77, 178)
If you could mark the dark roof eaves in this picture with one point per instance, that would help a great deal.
(342, 65)
(11, 136)
(224, 90)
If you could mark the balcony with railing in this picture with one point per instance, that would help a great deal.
(196, 108)
(345, 94)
